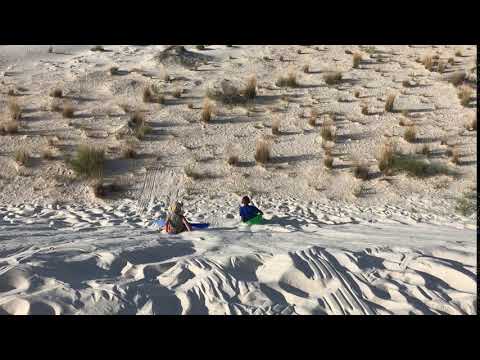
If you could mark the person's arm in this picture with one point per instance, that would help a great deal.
(259, 211)
(241, 214)
(187, 224)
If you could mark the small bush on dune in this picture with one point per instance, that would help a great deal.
(327, 131)
(15, 110)
(287, 81)
(306, 69)
(473, 124)
(357, 59)
(47, 153)
(22, 156)
(114, 70)
(328, 162)
(88, 161)
(128, 150)
(263, 150)
(465, 95)
(56, 93)
(389, 103)
(232, 154)
(276, 126)
(9, 127)
(385, 160)
(332, 78)
(207, 111)
(467, 204)
(457, 78)
(177, 93)
(250, 91)
(312, 120)
(360, 170)
(98, 48)
(68, 111)
(427, 61)
(410, 134)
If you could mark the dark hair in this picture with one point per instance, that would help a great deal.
(245, 200)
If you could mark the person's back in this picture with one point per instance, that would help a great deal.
(248, 211)
(176, 222)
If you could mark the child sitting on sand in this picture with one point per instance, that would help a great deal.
(176, 222)
(249, 213)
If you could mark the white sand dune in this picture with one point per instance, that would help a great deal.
(70, 260)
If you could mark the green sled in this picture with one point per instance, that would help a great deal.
(257, 220)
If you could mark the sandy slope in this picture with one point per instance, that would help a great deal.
(72, 260)
(332, 245)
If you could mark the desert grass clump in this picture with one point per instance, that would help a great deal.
(455, 155)
(47, 153)
(333, 78)
(385, 159)
(472, 124)
(148, 96)
(441, 67)
(128, 149)
(190, 106)
(15, 110)
(328, 147)
(357, 59)
(306, 68)
(425, 150)
(22, 156)
(114, 70)
(312, 120)
(410, 134)
(427, 61)
(459, 53)
(232, 155)
(328, 162)
(88, 162)
(465, 95)
(467, 203)
(327, 131)
(287, 81)
(457, 78)
(9, 127)
(98, 48)
(356, 93)
(360, 170)
(137, 119)
(56, 93)
(177, 93)
(207, 111)
(250, 91)
(364, 109)
(276, 126)
(142, 131)
(390, 102)
(68, 111)
(263, 149)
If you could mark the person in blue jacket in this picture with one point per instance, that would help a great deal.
(247, 211)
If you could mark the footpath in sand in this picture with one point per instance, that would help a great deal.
(308, 259)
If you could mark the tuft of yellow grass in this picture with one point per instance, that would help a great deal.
(410, 134)
(250, 91)
(263, 150)
(15, 110)
(207, 111)
(357, 59)
(390, 102)
(333, 77)
(68, 111)
(22, 156)
(288, 81)
(276, 126)
(328, 131)
(328, 162)
(465, 95)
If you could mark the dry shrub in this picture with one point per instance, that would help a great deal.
(458, 53)
(312, 120)
(441, 67)
(457, 78)
(425, 150)
(328, 147)
(177, 93)
(98, 48)
(410, 134)
(385, 158)
(15, 110)
(276, 126)
(360, 170)
(128, 149)
(126, 108)
(207, 111)
(47, 153)
(190, 105)
(9, 127)
(137, 119)
(328, 131)
(306, 68)
(56, 93)
(287, 81)
(56, 106)
(328, 162)
(88, 161)
(427, 61)
(465, 95)
(473, 124)
(357, 59)
(232, 154)
(451, 61)
(356, 93)
(113, 70)
(390, 102)
(455, 154)
(250, 91)
(148, 96)
(22, 156)
(263, 149)
(333, 77)
(68, 111)
(364, 109)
